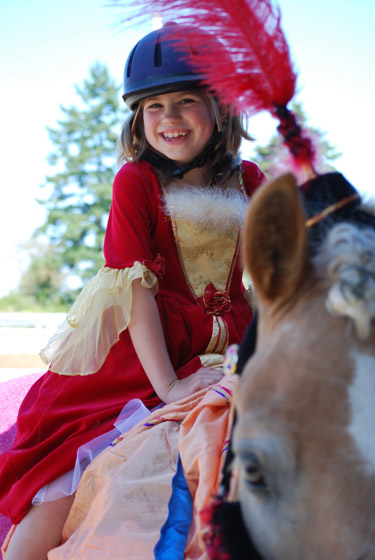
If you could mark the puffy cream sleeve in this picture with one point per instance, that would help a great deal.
(94, 323)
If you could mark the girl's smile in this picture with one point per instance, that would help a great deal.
(173, 136)
(179, 124)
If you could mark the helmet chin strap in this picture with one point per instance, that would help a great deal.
(171, 169)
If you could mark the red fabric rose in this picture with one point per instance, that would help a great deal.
(216, 301)
(157, 266)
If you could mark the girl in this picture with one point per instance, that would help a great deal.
(158, 317)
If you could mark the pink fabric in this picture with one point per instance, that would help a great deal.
(122, 500)
(133, 412)
(11, 394)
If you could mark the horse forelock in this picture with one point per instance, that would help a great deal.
(347, 260)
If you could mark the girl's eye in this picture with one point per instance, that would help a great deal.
(187, 100)
(153, 106)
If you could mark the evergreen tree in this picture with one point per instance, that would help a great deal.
(42, 284)
(271, 158)
(84, 156)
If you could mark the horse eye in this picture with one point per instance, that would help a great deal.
(254, 473)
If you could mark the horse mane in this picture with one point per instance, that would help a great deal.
(347, 260)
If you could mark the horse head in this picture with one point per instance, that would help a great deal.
(304, 440)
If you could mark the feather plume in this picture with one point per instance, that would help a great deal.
(254, 72)
(258, 74)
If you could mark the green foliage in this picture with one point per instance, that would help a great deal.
(42, 286)
(270, 157)
(67, 250)
(14, 302)
(77, 207)
(42, 280)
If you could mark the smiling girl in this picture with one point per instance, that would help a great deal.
(179, 124)
(153, 325)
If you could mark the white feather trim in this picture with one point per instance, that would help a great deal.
(211, 206)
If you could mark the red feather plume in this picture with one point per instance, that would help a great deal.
(256, 73)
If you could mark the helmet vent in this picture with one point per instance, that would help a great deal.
(158, 59)
(130, 62)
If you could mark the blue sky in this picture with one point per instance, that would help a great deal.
(48, 46)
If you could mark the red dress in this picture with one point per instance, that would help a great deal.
(62, 412)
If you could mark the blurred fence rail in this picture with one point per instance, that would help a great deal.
(36, 320)
(22, 335)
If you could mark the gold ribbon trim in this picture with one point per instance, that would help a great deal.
(219, 337)
(330, 209)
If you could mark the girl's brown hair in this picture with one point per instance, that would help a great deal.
(133, 146)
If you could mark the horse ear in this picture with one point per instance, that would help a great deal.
(274, 240)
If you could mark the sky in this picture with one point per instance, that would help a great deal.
(48, 47)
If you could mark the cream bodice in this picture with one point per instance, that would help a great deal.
(206, 224)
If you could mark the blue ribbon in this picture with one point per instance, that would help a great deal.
(174, 533)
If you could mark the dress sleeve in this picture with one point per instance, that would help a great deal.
(98, 316)
(103, 309)
(133, 217)
(253, 177)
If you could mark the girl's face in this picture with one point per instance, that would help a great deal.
(178, 124)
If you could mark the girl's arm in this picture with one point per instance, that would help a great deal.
(147, 335)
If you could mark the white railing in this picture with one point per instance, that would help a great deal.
(36, 320)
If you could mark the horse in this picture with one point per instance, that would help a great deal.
(304, 439)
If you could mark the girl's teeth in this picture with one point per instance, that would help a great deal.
(174, 134)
